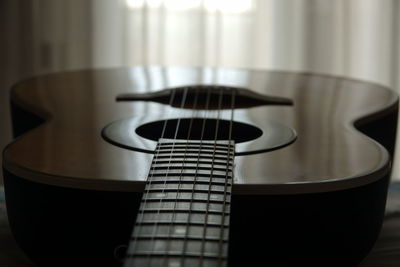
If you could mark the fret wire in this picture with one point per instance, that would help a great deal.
(157, 174)
(203, 168)
(228, 172)
(185, 223)
(185, 90)
(173, 167)
(194, 162)
(206, 143)
(195, 147)
(188, 169)
(195, 178)
(184, 161)
(187, 182)
(209, 224)
(230, 140)
(181, 238)
(198, 159)
(185, 186)
(192, 155)
(189, 146)
(163, 254)
(215, 141)
(180, 209)
(186, 190)
(202, 152)
(185, 200)
(155, 156)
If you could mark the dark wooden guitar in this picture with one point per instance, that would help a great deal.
(198, 167)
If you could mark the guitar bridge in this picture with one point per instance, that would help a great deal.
(207, 97)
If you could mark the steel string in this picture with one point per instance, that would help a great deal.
(138, 226)
(211, 179)
(227, 170)
(185, 90)
(194, 106)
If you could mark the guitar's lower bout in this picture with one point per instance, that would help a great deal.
(85, 226)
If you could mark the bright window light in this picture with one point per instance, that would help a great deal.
(182, 4)
(134, 4)
(154, 3)
(228, 6)
(225, 6)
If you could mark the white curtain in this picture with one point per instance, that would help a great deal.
(353, 38)
(344, 37)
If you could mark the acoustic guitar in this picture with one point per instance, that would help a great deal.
(179, 167)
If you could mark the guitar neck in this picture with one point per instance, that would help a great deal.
(183, 219)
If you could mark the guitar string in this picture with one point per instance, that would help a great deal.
(222, 232)
(138, 226)
(178, 193)
(229, 163)
(187, 225)
(173, 145)
(155, 226)
(210, 184)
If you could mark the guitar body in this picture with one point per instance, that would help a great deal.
(73, 195)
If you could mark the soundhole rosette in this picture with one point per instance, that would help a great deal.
(142, 132)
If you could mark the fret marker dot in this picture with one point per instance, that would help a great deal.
(180, 230)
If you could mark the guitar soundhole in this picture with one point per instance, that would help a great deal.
(199, 129)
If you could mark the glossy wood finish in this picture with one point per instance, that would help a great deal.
(330, 154)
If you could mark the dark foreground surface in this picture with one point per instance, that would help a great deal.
(386, 252)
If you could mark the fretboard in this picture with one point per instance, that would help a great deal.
(183, 220)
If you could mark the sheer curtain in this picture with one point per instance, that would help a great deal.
(350, 38)
(353, 38)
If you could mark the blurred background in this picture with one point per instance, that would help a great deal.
(352, 38)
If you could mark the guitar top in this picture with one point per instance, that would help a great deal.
(329, 153)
